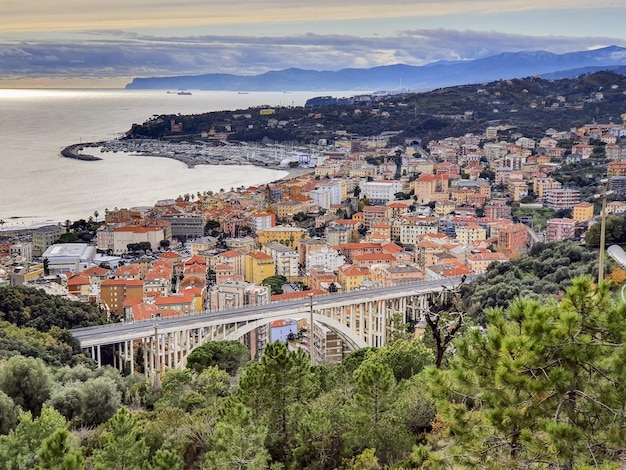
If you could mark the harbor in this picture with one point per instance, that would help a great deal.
(197, 152)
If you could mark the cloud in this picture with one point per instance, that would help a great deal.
(65, 15)
(112, 54)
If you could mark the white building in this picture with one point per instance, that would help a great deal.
(69, 257)
(285, 259)
(22, 250)
(327, 195)
(327, 257)
(562, 198)
(412, 227)
(381, 192)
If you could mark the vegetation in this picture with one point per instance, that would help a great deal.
(35, 324)
(545, 271)
(276, 283)
(615, 227)
(525, 104)
(538, 382)
(228, 356)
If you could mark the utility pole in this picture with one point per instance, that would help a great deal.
(311, 329)
(157, 372)
(603, 196)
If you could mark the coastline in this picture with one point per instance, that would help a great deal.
(73, 151)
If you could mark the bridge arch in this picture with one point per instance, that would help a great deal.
(351, 337)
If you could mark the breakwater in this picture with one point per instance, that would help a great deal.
(73, 151)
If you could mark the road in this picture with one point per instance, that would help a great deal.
(127, 331)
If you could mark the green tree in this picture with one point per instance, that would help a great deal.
(18, 449)
(405, 358)
(321, 429)
(166, 460)
(8, 413)
(238, 442)
(227, 355)
(615, 227)
(100, 399)
(274, 389)
(60, 452)
(123, 449)
(544, 383)
(27, 381)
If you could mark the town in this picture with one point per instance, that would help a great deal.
(364, 214)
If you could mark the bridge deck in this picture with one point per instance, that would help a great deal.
(128, 331)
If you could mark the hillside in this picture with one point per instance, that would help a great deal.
(528, 105)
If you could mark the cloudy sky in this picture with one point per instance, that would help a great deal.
(106, 43)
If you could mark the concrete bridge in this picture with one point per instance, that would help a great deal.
(361, 318)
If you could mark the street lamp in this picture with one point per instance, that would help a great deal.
(603, 196)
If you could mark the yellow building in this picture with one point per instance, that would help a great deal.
(350, 277)
(259, 266)
(582, 212)
(471, 233)
(282, 234)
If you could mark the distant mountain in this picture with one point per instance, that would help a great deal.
(393, 77)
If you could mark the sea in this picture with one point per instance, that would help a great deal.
(38, 185)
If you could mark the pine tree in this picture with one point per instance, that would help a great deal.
(166, 460)
(238, 442)
(59, 452)
(544, 384)
(275, 388)
(123, 450)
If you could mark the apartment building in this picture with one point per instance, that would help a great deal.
(560, 229)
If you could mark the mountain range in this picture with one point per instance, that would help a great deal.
(507, 65)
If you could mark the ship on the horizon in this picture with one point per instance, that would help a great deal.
(183, 92)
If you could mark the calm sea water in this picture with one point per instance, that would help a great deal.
(37, 184)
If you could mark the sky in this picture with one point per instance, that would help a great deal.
(107, 43)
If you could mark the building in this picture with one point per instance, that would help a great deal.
(284, 234)
(582, 212)
(351, 277)
(236, 295)
(469, 234)
(43, 237)
(497, 209)
(69, 257)
(262, 221)
(412, 227)
(512, 238)
(153, 233)
(280, 330)
(429, 188)
(114, 292)
(259, 266)
(327, 347)
(381, 192)
(558, 199)
(185, 227)
(616, 171)
(327, 195)
(327, 257)
(479, 262)
(374, 214)
(285, 259)
(560, 229)
(21, 250)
